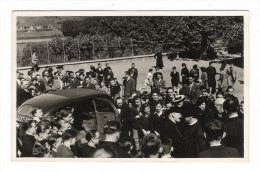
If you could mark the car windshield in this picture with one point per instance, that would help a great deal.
(24, 110)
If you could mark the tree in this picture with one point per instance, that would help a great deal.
(70, 28)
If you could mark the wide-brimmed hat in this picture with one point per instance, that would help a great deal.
(178, 99)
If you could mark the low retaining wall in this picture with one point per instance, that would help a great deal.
(91, 61)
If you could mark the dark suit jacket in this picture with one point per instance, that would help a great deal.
(22, 96)
(193, 92)
(234, 128)
(89, 86)
(171, 131)
(135, 72)
(129, 87)
(114, 146)
(76, 82)
(220, 152)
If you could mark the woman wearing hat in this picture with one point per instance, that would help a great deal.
(179, 100)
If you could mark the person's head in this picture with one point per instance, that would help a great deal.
(205, 92)
(159, 75)
(93, 136)
(230, 106)
(151, 145)
(37, 112)
(158, 107)
(230, 90)
(166, 145)
(119, 102)
(210, 63)
(107, 64)
(133, 93)
(127, 74)
(45, 73)
(145, 109)
(174, 68)
(155, 95)
(55, 141)
(168, 105)
(170, 92)
(38, 77)
(31, 127)
(17, 74)
(112, 82)
(203, 69)
(133, 65)
(69, 136)
(195, 66)
(201, 103)
(127, 144)
(179, 100)
(25, 84)
(66, 114)
(214, 130)
(33, 81)
(137, 101)
(219, 104)
(112, 131)
(183, 65)
(191, 79)
(81, 76)
(219, 94)
(77, 74)
(62, 125)
(30, 73)
(32, 91)
(43, 130)
(104, 152)
(151, 70)
(71, 73)
(99, 65)
(242, 105)
(87, 80)
(175, 114)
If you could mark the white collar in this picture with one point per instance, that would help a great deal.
(233, 115)
(194, 122)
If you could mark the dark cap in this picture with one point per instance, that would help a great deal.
(183, 64)
(190, 110)
(201, 100)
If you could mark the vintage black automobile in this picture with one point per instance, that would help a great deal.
(92, 108)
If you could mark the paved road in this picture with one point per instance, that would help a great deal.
(143, 64)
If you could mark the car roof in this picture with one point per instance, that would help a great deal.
(55, 99)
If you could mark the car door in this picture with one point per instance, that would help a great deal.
(105, 111)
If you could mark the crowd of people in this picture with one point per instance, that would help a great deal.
(197, 116)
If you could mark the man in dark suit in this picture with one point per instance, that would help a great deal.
(211, 71)
(129, 85)
(214, 132)
(234, 127)
(88, 84)
(106, 70)
(171, 130)
(112, 132)
(193, 140)
(192, 90)
(100, 73)
(134, 72)
(23, 93)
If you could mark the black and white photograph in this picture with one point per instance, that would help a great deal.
(130, 85)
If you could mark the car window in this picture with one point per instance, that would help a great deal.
(103, 106)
